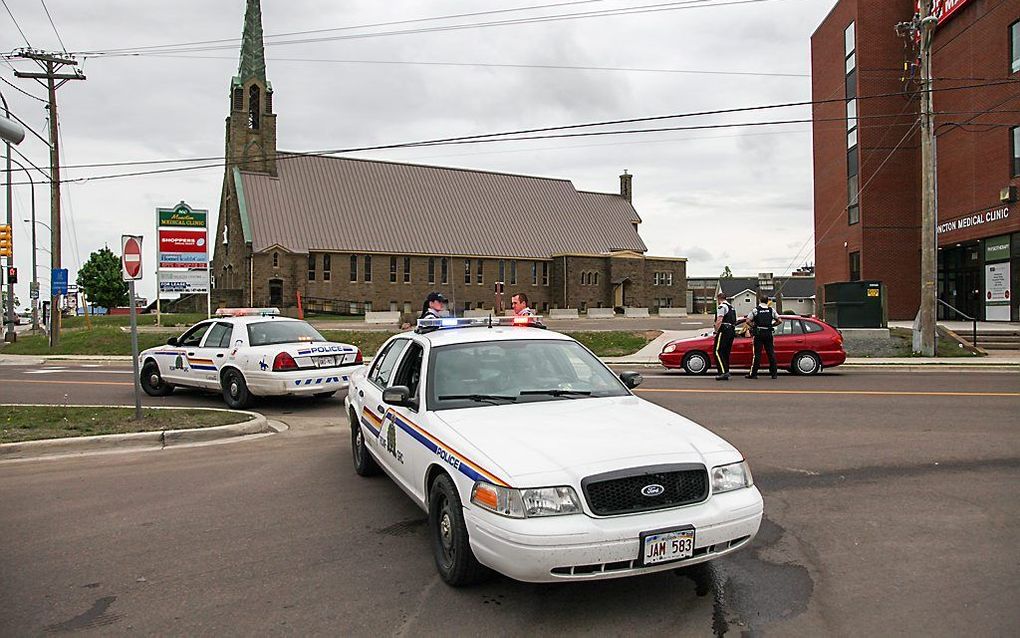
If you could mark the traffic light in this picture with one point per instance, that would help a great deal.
(6, 241)
(12, 275)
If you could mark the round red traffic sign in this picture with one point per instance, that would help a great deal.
(132, 257)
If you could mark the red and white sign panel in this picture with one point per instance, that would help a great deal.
(182, 241)
(131, 256)
(943, 9)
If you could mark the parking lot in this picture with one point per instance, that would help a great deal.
(890, 509)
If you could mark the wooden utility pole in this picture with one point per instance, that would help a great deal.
(51, 63)
(926, 314)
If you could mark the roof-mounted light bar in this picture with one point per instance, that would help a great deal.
(428, 325)
(247, 312)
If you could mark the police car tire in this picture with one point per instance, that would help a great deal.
(159, 389)
(798, 369)
(696, 354)
(240, 397)
(324, 395)
(364, 464)
(455, 561)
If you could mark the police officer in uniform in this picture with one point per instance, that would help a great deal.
(725, 322)
(434, 307)
(762, 319)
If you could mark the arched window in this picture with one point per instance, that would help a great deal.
(253, 107)
(582, 278)
(269, 102)
(238, 99)
(596, 279)
(276, 260)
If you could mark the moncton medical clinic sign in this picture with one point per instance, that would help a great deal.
(988, 217)
(943, 9)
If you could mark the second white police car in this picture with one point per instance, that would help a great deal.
(249, 352)
(534, 459)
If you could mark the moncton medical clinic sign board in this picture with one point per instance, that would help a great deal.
(183, 240)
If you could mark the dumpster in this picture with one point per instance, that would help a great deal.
(855, 304)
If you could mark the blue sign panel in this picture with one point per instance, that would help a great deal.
(58, 281)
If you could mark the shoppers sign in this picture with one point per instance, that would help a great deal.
(994, 216)
(184, 281)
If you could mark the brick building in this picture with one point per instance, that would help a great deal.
(867, 153)
(350, 235)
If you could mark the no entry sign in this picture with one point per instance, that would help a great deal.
(131, 256)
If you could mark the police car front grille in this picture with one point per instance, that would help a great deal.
(621, 492)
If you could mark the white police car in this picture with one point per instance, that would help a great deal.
(534, 459)
(248, 352)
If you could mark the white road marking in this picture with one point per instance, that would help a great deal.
(47, 371)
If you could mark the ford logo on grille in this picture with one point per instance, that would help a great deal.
(652, 490)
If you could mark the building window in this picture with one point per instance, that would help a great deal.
(534, 273)
(582, 278)
(853, 209)
(545, 273)
(596, 279)
(513, 272)
(1014, 47)
(1015, 136)
(407, 270)
(276, 260)
(327, 267)
(855, 266)
(393, 270)
(368, 268)
(467, 271)
(253, 107)
(393, 306)
(368, 306)
(432, 270)
(407, 307)
(311, 267)
(238, 99)
(480, 276)
(502, 270)
(444, 270)
(354, 267)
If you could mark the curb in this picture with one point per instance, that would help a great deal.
(256, 424)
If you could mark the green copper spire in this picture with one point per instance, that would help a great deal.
(253, 56)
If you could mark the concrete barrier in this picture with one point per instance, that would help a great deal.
(382, 317)
(601, 313)
(562, 313)
(640, 313)
(479, 313)
(672, 312)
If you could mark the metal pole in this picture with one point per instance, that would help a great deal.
(9, 334)
(928, 241)
(134, 351)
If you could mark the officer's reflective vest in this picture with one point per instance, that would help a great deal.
(763, 318)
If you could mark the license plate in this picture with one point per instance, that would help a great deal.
(667, 545)
(325, 362)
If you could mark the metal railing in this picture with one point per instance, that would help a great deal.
(966, 317)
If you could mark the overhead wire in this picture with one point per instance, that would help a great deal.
(55, 32)
(15, 21)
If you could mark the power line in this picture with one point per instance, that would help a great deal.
(20, 90)
(15, 21)
(57, 33)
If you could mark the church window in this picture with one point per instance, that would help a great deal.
(480, 273)
(269, 102)
(444, 267)
(327, 266)
(407, 270)
(276, 260)
(545, 273)
(467, 271)
(368, 268)
(238, 98)
(253, 107)
(311, 267)
(534, 273)
(596, 279)
(513, 272)
(432, 270)
(502, 270)
(393, 271)
(354, 267)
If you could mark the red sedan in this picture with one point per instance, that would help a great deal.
(803, 346)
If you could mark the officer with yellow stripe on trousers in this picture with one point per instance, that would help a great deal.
(762, 320)
(725, 327)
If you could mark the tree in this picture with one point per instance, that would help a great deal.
(100, 279)
(3, 304)
(726, 273)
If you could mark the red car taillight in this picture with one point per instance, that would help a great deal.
(359, 359)
(284, 362)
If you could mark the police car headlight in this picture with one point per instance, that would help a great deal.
(670, 347)
(526, 503)
(726, 478)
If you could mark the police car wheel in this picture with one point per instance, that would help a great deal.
(235, 390)
(152, 381)
(364, 464)
(696, 363)
(324, 395)
(806, 363)
(455, 561)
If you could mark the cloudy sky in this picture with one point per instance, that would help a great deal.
(731, 196)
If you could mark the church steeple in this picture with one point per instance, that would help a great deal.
(251, 125)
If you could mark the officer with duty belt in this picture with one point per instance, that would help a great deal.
(725, 325)
(762, 320)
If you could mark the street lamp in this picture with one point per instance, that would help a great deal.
(35, 275)
(10, 133)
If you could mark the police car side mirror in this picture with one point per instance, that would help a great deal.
(631, 379)
(172, 341)
(400, 395)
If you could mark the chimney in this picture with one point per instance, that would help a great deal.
(625, 185)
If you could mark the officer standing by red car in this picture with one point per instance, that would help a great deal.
(762, 320)
(725, 326)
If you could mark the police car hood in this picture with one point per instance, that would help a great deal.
(567, 439)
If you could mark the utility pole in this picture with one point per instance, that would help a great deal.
(926, 314)
(51, 63)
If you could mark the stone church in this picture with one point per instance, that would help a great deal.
(352, 235)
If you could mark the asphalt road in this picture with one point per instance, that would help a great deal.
(891, 508)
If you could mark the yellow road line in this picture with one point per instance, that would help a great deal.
(894, 393)
(56, 382)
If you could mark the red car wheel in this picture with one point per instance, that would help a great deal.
(696, 363)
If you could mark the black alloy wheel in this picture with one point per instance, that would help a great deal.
(152, 381)
(235, 390)
(455, 561)
(364, 464)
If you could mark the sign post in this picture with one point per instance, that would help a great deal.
(131, 267)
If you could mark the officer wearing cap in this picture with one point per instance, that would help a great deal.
(762, 319)
(725, 322)
(434, 307)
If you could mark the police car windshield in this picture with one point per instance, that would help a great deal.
(267, 333)
(527, 371)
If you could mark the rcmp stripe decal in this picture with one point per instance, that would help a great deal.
(370, 421)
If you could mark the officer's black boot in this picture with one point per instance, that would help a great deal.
(723, 377)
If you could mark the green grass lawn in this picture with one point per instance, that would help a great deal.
(614, 343)
(902, 339)
(166, 319)
(33, 423)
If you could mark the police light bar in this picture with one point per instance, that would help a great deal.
(488, 322)
(247, 312)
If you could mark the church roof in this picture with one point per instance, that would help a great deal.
(353, 205)
(253, 57)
